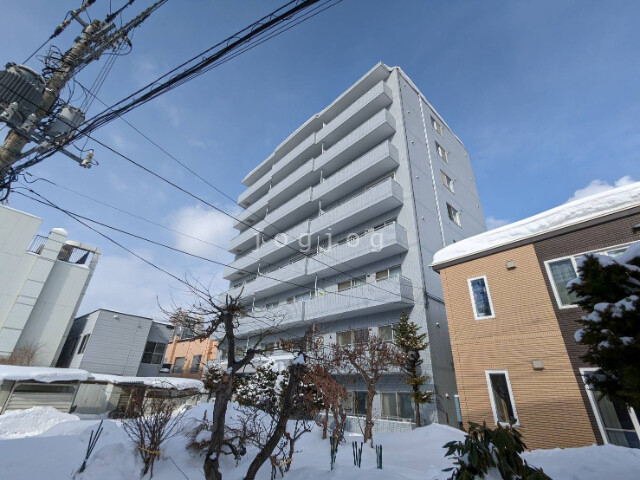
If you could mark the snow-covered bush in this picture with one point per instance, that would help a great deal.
(609, 289)
(484, 450)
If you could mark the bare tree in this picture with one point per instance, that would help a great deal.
(370, 358)
(25, 356)
(207, 317)
(155, 422)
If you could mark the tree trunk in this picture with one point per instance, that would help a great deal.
(368, 418)
(325, 423)
(295, 375)
(413, 371)
(418, 418)
(223, 397)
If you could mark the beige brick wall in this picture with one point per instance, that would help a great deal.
(548, 402)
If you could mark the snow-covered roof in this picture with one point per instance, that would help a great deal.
(568, 214)
(42, 374)
(173, 383)
(49, 375)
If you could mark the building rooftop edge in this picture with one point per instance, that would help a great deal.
(556, 219)
(312, 118)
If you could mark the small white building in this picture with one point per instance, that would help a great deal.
(42, 282)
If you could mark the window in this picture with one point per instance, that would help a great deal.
(501, 397)
(178, 365)
(480, 298)
(436, 126)
(268, 347)
(385, 332)
(357, 404)
(305, 296)
(397, 405)
(561, 271)
(446, 180)
(351, 337)
(83, 343)
(153, 353)
(343, 338)
(617, 422)
(354, 282)
(240, 352)
(195, 363)
(222, 354)
(442, 153)
(390, 272)
(272, 305)
(454, 215)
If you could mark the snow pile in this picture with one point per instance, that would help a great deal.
(42, 374)
(571, 213)
(415, 455)
(173, 383)
(48, 375)
(34, 421)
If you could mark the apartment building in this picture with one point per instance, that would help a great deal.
(187, 357)
(341, 222)
(116, 343)
(43, 279)
(512, 321)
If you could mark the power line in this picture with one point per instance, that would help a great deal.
(79, 217)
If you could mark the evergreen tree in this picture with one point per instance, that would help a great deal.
(609, 289)
(410, 342)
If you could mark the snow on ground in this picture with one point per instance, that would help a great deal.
(418, 455)
(34, 421)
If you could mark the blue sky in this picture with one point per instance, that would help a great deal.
(544, 95)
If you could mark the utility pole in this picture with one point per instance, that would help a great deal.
(11, 150)
(30, 104)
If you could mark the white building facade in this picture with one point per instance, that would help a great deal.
(341, 223)
(42, 282)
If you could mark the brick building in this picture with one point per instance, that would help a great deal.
(512, 321)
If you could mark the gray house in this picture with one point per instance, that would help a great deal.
(341, 223)
(116, 343)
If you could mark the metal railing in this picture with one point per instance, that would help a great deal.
(74, 255)
(37, 244)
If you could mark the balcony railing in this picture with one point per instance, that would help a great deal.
(37, 244)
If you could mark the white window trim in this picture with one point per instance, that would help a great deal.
(575, 266)
(596, 411)
(473, 303)
(493, 403)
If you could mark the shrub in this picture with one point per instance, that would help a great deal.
(484, 449)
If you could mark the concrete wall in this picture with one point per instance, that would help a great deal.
(39, 294)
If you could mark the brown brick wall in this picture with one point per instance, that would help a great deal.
(188, 349)
(549, 403)
(606, 232)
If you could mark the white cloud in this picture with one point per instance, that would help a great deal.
(204, 227)
(493, 222)
(598, 186)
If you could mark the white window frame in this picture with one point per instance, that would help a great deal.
(448, 184)
(473, 303)
(437, 126)
(493, 403)
(444, 156)
(596, 410)
(575, 267)
(456, 215)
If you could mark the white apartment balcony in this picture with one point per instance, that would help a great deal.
(375, 245)
(373, 101)
(372, 132)
(269, 252)
(245, 240)
(252, 214)
(372, 297)
(303, 177)
(372, 202)
(357, 174)
(273, 319)
(291, 213)
(306, 150)
(277, 280)
(255, 191)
